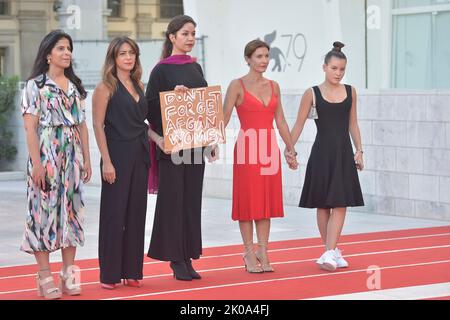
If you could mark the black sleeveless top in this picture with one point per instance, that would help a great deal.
(124, 119)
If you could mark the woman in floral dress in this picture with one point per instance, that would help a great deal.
(57, 137)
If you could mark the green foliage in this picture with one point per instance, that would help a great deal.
(8, 91)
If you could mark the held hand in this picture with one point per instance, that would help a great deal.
(291, 158)
(109, 173)
(161, 145)
(38, 175)
(293, 164)
(87, 171)
(180, 89)
(359, 161)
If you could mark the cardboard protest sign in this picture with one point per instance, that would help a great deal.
(192, 119)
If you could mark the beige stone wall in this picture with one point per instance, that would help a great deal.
(9, 39)
(29, 20)
(140, 20)
(21, 32)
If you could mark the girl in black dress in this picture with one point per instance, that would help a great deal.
(119, 112)
(176, 235)
(331, 181)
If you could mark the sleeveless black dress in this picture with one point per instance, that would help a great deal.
(331, 179)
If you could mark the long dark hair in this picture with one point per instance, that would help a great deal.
(174, 26)
(335, 52)
(41, 66)
(109, 73)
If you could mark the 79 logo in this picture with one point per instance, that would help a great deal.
(295, 48)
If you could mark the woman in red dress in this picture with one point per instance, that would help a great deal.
(257, 190)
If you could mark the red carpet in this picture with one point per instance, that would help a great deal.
(405, 258)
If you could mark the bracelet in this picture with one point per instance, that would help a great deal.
(360, 151)
(295, 152)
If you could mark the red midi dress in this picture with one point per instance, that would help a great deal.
(257, 183)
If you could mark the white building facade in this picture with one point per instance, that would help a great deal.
(404, 46)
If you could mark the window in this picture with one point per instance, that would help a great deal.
(4, 7)
(420, 44)
(116, 8)
(170, 8)
(2, 61)
(417, 3)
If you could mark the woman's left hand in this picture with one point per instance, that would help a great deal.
(87, 171)
(180, 89)
(359, 161)
(291, 158)
(160, 143)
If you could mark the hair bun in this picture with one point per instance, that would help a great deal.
(337, 46)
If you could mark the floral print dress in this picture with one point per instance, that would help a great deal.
(55, 215)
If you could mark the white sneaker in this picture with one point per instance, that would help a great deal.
(340, 261)
(320, 260)
(328, 260)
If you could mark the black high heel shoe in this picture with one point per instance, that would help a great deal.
(180, 270)
(191, 270)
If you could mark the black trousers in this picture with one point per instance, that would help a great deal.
(176, 234)
(123, 207)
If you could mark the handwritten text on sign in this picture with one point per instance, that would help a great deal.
(192, 119)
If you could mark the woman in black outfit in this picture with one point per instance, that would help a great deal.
(331, 179)
(176, 235)
(119, 112)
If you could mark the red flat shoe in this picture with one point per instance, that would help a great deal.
(131, 283)
(108, 286)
